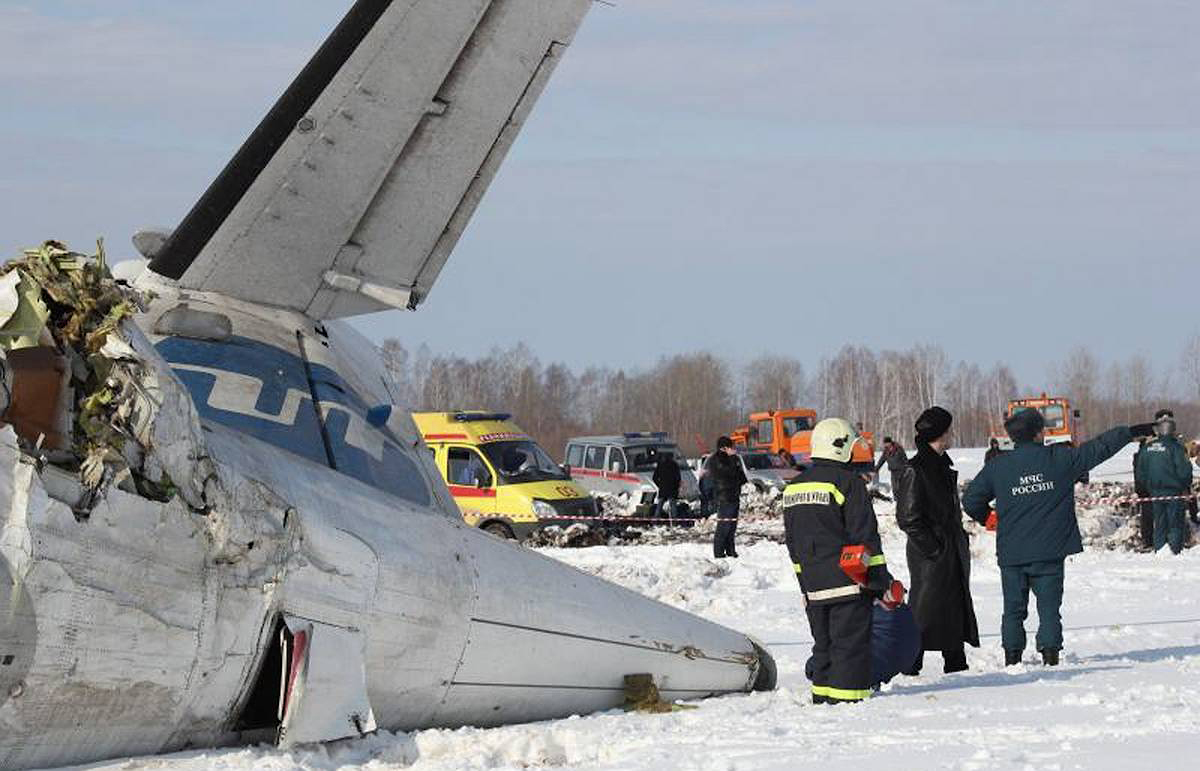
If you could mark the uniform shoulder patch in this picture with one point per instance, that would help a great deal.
(812, 494)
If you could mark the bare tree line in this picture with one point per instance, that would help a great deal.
(699, 396)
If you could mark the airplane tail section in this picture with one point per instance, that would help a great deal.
(350, 195)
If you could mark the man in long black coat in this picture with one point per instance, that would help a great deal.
(939, 558)
(724, 471)
(668, 480)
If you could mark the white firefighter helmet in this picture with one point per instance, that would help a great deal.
(834, 439)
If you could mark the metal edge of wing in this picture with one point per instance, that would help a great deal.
(223, 195)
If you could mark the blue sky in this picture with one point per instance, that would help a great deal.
(1007, 179)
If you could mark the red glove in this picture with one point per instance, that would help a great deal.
(893, 596)
(992, 521)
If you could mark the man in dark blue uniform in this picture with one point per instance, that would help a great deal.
(1034, 490)
(827, 508)
(1165, 471)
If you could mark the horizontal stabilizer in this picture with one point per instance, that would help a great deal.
(350, 195)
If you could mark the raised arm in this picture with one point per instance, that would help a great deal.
(1095, 451)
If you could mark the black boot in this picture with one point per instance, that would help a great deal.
(915, 669)
(1012, 658)
(954, 661)
(1050, 657)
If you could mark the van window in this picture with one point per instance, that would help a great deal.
(616, 460)
(465, 467)
(594, 458)
(766, 433)
(575, 455)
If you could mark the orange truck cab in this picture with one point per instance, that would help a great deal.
(1063, 425)
(791, 429)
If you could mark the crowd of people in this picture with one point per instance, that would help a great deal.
(863, 632)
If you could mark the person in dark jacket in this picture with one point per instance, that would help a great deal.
(1145, 508)
(939, 556)
(894, 456)
(825, 509)
(992, 451)
(667, 479)
(1166, 471)
(726, 477)
(1036, 527)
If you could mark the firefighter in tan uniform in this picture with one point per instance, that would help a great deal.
(829, 523)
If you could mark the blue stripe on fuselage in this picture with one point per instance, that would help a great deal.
(279, 373)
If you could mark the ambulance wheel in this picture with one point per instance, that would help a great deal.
(500, 530)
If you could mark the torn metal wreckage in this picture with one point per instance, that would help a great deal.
(216, 526)
(168, 580)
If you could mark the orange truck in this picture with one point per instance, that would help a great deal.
(791, 429)
(1063, 424)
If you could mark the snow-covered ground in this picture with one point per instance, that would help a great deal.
(1127, 694)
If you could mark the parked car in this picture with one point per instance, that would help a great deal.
(764, 470)
(623, 465)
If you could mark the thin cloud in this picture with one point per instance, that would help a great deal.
(130, 64)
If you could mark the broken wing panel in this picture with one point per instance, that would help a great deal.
(325, 694)
(364, 181)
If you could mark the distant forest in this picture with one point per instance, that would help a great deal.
(696, 397)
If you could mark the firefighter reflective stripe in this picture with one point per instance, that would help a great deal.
(798, 567)
(876, 559)
(841, 694)
(837, 591)
(812, 493)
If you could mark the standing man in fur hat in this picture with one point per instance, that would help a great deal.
(939, 556)
(1034, 490)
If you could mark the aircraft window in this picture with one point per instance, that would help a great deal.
(465, 467)
(594, 458)
(575, 455)
(616, 460)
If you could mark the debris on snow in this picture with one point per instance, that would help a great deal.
(575, 536)
(641, 695)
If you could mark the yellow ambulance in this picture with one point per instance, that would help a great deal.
(502, 481)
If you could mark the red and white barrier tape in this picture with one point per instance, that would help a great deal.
(649, 520)
(1136, 499)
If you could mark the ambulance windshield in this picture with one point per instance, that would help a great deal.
(522, 461)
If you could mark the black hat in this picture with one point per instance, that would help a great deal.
(887, 440)
(724, 442)
(1025, 425)
(932, 423)
(1163, 414)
